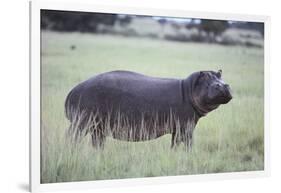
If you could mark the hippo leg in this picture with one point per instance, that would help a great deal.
(175, 140)
(187, 140)
(98, 139)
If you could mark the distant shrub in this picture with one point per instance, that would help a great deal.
(213, 26)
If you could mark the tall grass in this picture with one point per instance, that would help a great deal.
(229, 139)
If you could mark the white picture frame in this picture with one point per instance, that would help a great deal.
(35, 78)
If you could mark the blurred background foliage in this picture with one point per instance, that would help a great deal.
(168, 28)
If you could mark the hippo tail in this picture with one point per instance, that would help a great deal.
(79, 119)
(68, 106)
(76, 118)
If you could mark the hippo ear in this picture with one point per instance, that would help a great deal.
(219, 73)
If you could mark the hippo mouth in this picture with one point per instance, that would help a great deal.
(225, 97)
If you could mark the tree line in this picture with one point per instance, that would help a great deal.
(71, 21)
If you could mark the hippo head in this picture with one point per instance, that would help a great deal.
(209, 91)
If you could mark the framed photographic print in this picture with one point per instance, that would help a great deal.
(122, 96)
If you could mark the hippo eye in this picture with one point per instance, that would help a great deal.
(206, 84)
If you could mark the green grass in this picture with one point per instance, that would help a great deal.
(229, 139)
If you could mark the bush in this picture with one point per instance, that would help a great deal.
(213, 26)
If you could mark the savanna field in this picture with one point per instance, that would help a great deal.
(229, 139)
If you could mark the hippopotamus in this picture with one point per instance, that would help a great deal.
(134, 107)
